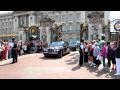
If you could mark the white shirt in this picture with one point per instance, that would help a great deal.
(11, 44)
(25, 47)
(81, 46)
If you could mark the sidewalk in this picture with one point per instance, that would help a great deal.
(8, 61)
(5, 62)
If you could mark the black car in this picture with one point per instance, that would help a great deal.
(57, 49)
(74, 45)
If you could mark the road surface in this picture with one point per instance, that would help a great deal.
(36, 66)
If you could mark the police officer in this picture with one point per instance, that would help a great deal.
(14, 51)
(81, 51)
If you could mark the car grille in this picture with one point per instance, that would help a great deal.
(50, 50)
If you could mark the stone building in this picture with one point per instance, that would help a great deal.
(6, 26)
(26, 24)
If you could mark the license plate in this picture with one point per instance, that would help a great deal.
(53, 53)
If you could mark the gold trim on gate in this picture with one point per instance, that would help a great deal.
(8, 35)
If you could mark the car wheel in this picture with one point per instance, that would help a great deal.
(60, 54)
(75, 49)
(68, 51)
(45, 55)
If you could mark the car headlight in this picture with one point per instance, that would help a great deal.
(45, 49)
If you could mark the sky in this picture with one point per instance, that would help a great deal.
(113, 15)
(4, 12)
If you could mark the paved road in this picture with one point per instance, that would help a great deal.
(36, 66)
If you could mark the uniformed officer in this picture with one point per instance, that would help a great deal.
(14, 51)
(81, 53)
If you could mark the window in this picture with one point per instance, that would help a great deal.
(78, 16)
(56, 18)
(9, 24)
(31, 18)
(6, 24)
(51, 17)
(63, 27)
(63, 17)
(27, 19)
(21, 21)
(1, 31)
(77, 26)
(70, 26)
(70, 17)
(20, 36)
(59, 18)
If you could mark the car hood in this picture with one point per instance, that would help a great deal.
(72, 44)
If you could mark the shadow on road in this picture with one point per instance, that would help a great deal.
(73, 62)
(76, 68)
(111, 74)
(6, 64)
(68, 60)
(115, 77)
(73, 54)
(49, 58)
(90, 68)
(99, 73)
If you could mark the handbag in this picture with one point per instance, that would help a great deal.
(98, 57)
(100, 68)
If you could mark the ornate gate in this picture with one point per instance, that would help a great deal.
(34, 33)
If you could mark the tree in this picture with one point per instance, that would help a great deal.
(83, 29)
(57, 31)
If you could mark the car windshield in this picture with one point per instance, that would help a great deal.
(54, 44)
(72, 42)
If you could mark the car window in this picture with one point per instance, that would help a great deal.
(53, 44)
(67, 43)
(72, 42)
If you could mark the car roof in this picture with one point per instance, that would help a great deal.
(60, 41)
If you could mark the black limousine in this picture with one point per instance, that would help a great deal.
(57, 49)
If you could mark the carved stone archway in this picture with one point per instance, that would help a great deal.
(95, 21)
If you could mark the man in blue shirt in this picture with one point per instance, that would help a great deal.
(96, 51)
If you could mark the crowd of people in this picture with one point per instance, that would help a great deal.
(94, 53)
(12, 49)
(99, 53)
